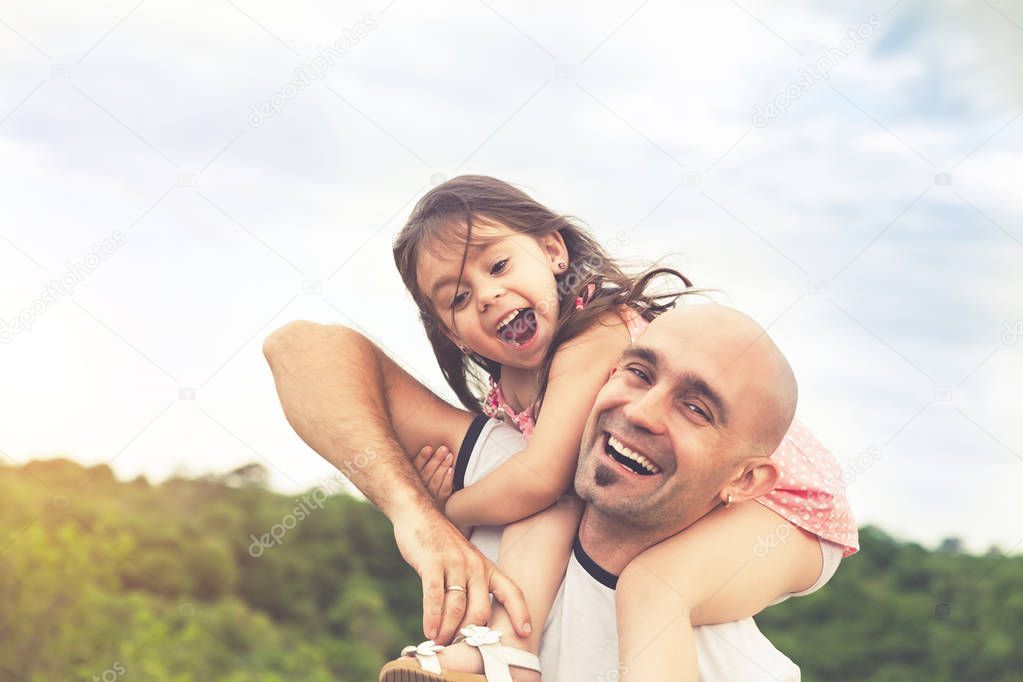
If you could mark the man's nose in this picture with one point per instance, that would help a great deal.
(646, 411)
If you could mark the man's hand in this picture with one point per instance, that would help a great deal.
(436, 469)
(443, 557)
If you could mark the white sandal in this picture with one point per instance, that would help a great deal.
(420, 663)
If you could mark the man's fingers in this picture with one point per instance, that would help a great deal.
(443, 558)
(433, 599)
(454, 607)
(509, 594)
(477, 611)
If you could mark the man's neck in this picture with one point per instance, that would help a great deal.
(611, 544)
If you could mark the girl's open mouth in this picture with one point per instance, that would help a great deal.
(518, 327)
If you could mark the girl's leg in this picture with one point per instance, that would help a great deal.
(729, 565)
(534, 554)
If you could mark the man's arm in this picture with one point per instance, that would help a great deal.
(361, 412)
(332, 391)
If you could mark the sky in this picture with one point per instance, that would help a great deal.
(846, 175)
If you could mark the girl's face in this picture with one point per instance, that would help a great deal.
(505, 307)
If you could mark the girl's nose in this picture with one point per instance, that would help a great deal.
(489, 297)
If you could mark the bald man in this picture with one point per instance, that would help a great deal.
(726, 363)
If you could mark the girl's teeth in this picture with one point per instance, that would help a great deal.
(507, 318)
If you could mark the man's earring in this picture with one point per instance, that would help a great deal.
(464, 349)
(728, 502)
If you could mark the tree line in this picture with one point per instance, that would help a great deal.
(219, 578)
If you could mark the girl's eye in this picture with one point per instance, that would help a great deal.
(458, 300)
(499, 267)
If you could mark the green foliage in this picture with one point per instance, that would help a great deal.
(899, 613)
(101, 579)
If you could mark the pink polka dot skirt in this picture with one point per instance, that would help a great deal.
(810, 492)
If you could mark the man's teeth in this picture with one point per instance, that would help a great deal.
(624, 450)
(508, 318)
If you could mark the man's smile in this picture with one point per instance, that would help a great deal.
(630, 459)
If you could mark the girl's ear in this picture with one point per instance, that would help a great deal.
(557, 253)
(454, 339)
(446, 331)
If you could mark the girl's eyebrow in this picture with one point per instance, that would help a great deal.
(475, 249)
(442, 282)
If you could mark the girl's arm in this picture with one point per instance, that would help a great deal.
(729, 565)
(537, 476)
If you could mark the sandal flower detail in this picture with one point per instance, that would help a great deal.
(478, 635)
(427, 648)
(424, 665)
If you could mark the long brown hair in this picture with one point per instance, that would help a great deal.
(446, 214)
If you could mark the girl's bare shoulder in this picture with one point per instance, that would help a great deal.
(603, 342)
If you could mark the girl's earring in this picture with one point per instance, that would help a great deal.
(464, 349)
(562, 265)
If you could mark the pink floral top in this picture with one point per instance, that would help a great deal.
(809, 494)
(495, 405)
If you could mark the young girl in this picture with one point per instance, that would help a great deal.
(521, 300)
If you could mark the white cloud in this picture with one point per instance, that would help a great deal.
(328, 183)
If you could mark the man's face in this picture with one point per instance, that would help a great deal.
(675, 421)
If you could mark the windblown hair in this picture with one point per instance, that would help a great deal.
(444, 216)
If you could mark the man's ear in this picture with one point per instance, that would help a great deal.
(757, 477)
(554, 246)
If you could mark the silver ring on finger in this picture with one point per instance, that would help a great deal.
(454, 588)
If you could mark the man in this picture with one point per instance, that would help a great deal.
(315, 366)
(346, 398)
(725, 361)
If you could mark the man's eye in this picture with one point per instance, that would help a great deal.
(639, 373)
(458, 300)
(698, 410)
(499, 267)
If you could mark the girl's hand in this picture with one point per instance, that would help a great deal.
(437, 471)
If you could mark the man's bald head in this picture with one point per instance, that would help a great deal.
(741, 355)
(687, 420)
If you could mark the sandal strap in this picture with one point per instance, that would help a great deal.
(496, 657)
(426, 656)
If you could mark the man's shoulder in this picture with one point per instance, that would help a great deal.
(580, 640)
